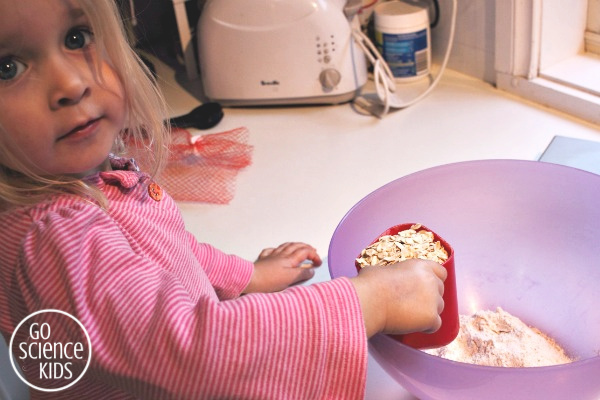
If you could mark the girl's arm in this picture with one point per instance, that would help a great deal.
(158, 331)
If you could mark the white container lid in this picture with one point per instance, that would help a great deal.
(400, 14)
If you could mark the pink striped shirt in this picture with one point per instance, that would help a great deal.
(164, 312)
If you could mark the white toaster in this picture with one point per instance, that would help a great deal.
(271, 52)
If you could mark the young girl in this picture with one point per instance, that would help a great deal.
(85, 232)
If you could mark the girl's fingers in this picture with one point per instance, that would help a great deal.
(298, 252)
(266, 252)
(306, 253)
(288, 248)
(440, 271)
(303, 274)
(309, 264)
(436, 326)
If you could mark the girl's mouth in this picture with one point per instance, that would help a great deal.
(81, 131)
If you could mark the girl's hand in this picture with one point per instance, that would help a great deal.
(277, 268)
(401, 298)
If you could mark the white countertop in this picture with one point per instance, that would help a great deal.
(312, 164)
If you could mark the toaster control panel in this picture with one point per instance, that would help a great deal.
(329, 77)
(325, 46)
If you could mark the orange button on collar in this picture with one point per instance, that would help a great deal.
(155, 191)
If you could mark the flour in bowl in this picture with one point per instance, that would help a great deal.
(499, 339)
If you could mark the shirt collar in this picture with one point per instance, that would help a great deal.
(122, 163)
(125, 172)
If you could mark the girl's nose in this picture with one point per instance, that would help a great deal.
(68, 81)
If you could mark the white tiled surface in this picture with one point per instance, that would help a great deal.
(312, 164)
(474, 40)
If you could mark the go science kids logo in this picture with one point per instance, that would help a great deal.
(50, 350)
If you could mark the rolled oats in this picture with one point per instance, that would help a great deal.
(410, 243)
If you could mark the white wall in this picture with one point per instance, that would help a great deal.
(474, 40)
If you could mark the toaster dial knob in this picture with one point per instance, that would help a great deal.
(330, 78)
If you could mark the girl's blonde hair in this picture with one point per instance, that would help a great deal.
(145, 135)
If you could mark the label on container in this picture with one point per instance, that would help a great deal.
(405, 53)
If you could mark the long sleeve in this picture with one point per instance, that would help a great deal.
(160, 330)
(228, 274)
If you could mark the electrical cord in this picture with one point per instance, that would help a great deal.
(134, 21)
(436, 10)
(383, 78)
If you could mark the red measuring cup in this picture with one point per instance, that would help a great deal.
(450, 320)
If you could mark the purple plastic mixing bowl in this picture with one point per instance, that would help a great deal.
(526, 236)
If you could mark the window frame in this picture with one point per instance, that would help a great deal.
(524, 63)
(592, 33)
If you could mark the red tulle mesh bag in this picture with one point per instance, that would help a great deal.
(204, 169)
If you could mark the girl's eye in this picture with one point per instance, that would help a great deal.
(10, 68)
(78, 38)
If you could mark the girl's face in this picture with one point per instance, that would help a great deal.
(60, 110)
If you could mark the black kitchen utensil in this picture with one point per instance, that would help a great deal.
(205, 116)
